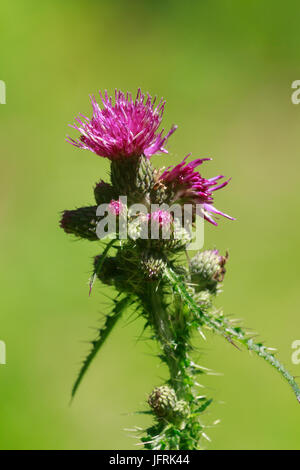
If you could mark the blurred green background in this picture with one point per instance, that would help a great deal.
(226, 70)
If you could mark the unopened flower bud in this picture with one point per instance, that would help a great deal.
(152, 266)
(182, 236)
(81, 222)
(181, 410)
(203, 298)
(163, 401)
(132, 178)
(104, 193)
(207, 270)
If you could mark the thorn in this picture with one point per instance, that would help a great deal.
(197, 366)
(202, 334)
(216, 422)
(231, 342)
(206, 437)
(199, 385)
(142, 443)
(91, 283)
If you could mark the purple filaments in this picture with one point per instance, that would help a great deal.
(189, 187)
(115, 207)
(123, 129)
(161, 217)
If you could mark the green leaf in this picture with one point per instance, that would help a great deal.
(203, 406)
(110, 322)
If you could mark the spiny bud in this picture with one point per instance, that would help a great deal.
(203, 298)
(104, 193)
(81, 222)
(160, 193)
(208, 269)
(152, 266)
(132, 177)
(159, 232)
(122, 271)
(182, 410)
(171, 244)
(182, 237)
(163, 401)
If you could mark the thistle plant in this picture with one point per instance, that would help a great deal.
(173, 292)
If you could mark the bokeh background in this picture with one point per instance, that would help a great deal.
(226, 70)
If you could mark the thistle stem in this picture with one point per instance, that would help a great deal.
(172, 338)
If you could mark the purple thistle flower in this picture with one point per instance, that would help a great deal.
(161, 217)
(115, 207)
(124, 129)
(188, 186)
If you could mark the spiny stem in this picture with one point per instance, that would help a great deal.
(157, 311)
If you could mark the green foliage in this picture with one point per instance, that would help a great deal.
(221, 325)
(174, 298)
(110, 321)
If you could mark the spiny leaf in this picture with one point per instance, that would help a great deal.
(222, 326)
(110, 322)
(203, 407)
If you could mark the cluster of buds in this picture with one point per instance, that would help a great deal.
(126, 132)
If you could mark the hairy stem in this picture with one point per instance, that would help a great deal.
(162, 325)
(172, 333)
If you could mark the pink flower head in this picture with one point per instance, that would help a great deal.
(124, 129)
(189, 186)
(163, 218)
(115, 207)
